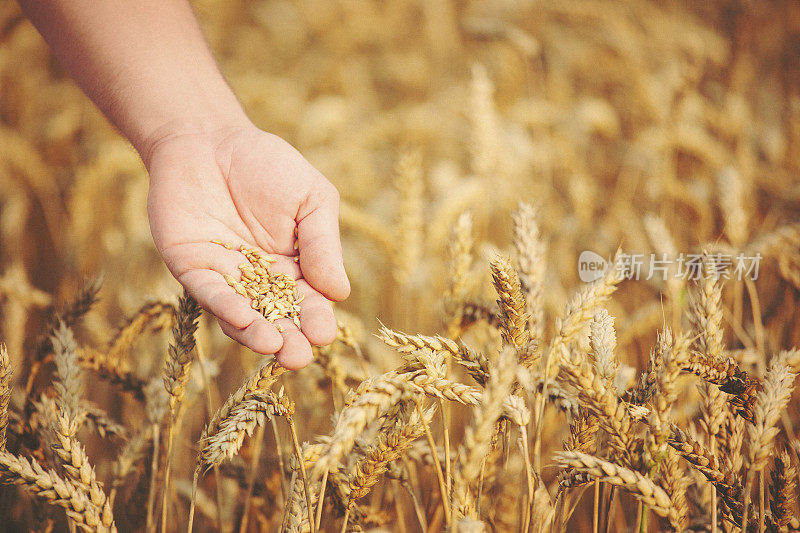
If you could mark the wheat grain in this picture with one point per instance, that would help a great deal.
(274, 294)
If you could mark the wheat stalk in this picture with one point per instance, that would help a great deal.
(478, 435)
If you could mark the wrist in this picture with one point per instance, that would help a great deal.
(210, 127)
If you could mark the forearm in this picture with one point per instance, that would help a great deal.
(144, 63)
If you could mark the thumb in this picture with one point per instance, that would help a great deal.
(319, 244)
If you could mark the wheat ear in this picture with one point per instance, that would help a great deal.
(675, 482)
(601, 401)
(388, 448)
(460, 263)
(48, 486)
(531, 251)
(69, 383)
(770, 402)
(512, 305)
(579, 312)
(176, 375)
(641, 487)
(260, 379)
(5, 393)
(372, 399)
(782, 493)
(603, 341)
(253, 411)
(76, 465)
(158, 313)
(410, 183)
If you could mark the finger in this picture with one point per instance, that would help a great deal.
(317, 321)
(296, 351)
(214, 294)
(202, 255)
(260, 336)
(320, 246)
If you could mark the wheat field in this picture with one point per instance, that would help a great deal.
(479, 381)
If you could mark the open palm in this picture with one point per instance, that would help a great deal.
(245, 186)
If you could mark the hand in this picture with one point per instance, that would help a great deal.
(244, 186)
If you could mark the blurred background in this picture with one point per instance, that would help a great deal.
(663, 126)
